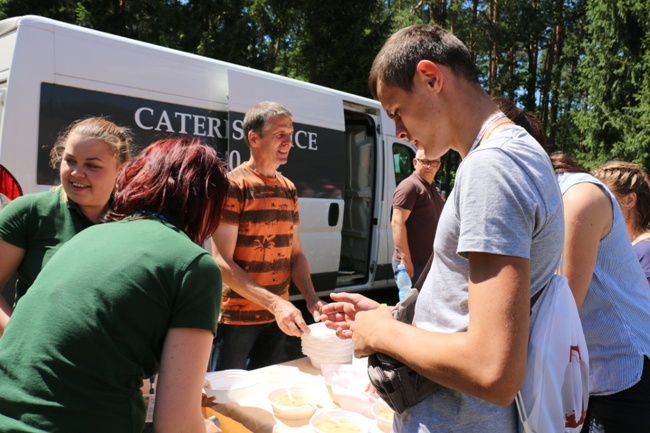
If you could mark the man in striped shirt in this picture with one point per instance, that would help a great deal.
(258, 249)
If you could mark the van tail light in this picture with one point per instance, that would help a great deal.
(9, 185)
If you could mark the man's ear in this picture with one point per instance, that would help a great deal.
(252, 139)
(431, 73)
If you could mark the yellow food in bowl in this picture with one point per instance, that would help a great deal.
(293, 401)
(383, 415)
(344, 426)
(386, 414)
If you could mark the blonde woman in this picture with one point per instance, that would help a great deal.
(630, 184)
(89, 154)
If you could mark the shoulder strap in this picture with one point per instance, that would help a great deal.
(423, 275)
(535, 297)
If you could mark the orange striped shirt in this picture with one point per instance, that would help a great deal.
(265, 210)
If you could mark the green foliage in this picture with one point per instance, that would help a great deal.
(614, 82)
(63, 10)
(338, 42)
(580, 65)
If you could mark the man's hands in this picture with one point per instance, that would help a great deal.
(366, 327)
(408, 265)
(340, 314)
(289, 318)
(354, 316)
(315, 307)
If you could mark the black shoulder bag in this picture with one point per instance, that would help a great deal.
(398, 385)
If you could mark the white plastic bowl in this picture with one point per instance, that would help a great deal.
(317, 361)
(350, 422)
(322, 346)
(229, 386)
(351, 400)
(298, 407)
(383, 415)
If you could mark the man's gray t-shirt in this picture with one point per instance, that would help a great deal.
(505, 201)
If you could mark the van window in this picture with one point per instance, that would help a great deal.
(403, 161)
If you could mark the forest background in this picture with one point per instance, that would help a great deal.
(582, 66)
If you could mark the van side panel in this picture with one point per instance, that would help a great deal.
(56, 73)
(154, 72)
(150, 120)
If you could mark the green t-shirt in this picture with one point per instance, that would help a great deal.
(39, 223)
(92, 326)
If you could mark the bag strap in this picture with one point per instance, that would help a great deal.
(423, 276)
(519, 399)
(535, 297)
(521, 410)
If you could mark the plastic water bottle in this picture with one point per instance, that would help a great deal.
(403, 281)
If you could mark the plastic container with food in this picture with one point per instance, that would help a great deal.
(339, 421)
(383, 415)
(299, 405)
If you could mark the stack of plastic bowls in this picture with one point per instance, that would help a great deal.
(230, 385)
(322, 346)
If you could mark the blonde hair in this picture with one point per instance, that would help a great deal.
(623, 178)
(100, 128)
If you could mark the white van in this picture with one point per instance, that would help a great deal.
(345, 160)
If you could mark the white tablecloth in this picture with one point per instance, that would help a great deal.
(255, 412)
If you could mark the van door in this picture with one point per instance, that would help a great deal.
(398, 165)
(360, 235)
(316, 162)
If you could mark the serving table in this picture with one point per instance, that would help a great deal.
(254, 413)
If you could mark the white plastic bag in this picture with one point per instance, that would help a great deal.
(555, 393)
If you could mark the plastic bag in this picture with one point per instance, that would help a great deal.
(555, 392)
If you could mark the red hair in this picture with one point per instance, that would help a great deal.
(182, 178)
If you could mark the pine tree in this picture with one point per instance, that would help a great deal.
(614, 79)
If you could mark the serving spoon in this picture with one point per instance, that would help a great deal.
(327, 415)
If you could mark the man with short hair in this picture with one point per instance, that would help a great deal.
(416, 209)
(499, 241)
(258, 249)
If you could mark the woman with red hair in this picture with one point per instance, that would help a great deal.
(123, 301)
